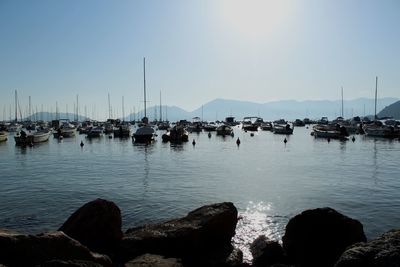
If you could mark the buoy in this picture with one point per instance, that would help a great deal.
(209, 135)
(110, 136)
(329, 139)
(353, 139)
(194, 142)
(238, 141)
(285, 140)
(82, 144)
(252, 134)
(232, 134)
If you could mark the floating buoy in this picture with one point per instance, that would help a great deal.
(194, 142)
(209, 135)
(238, 141)
(353, 139)
(110, 136)
(82, 144)
(232, 134)
(329, 139)
(60, 137)
(252, 134)
(285, 140)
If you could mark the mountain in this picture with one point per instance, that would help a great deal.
(392, 110)
(218, 109)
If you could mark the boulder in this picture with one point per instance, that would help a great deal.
(318, 237)
(97, 225)
(383, 251)
(150, 260)
(32, 250)
(266, 252)
(203, 234)
(235, 258)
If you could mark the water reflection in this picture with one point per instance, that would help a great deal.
(253, 222)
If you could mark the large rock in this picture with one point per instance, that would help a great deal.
(383, 251)
(97, 225)
(150, 260)
(203, 234)
(266, 252)
(31, 250)
(318, 237)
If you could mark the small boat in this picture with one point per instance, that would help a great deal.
(251, 123)
(122, 130)
(95, 132)
(210, 127)
(177, 134)
(14, 127)
(163, 125)
(66, 130)
(378, 129)
(145, 133)
(39, 136)
(196, 125)
(329, 131)
(224, 130)
(282, 129)
(298, 123)
(3, 136)
(266, 126)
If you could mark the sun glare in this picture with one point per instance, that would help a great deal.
(255, 18)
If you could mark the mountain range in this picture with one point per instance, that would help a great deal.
(218, 109)
(391, 111)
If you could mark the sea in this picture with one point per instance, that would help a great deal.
(268, 180)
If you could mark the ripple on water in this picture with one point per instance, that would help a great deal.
(256, 220)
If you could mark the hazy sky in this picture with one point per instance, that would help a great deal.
(195, 51)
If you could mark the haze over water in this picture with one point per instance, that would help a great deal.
(268, 181)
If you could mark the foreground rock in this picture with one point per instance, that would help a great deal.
(97, 225)
(201, 238)
(383, 251)
(266, 252)
(149, 260)
(30, 250)
(318, 237)
(72, 263)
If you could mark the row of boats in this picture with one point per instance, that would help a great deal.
(145, 132)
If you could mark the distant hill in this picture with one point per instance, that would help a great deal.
(218, 109)
(392, 110)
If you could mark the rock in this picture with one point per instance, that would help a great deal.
(32, 250)
(149, 260)
(235, 258)
(383, 251)
(266, 252)
(203, 234)
(73, 263)
(318, 237)
(97, 225)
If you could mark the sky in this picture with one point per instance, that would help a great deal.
(196, 51)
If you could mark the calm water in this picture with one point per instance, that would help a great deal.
(267, 180)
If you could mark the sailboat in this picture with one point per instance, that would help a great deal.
(377, 128)
(145, 133)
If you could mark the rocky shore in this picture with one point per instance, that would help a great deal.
(92, 236)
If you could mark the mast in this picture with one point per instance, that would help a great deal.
(16, 106)
(144, 85)
(123, 109)
(376, 95)
(109, 107)
(160, 108)
(30, 109)
(342, 103)
(77, 107)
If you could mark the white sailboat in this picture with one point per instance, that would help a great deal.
(145, 133)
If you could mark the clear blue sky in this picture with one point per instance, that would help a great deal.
(195, 51)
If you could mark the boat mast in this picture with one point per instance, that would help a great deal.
(123, 109)
(144, 85)
(109, 107)
(342, 103)
(376, 94)
(16, 106)
(160, 108)
(30, 109)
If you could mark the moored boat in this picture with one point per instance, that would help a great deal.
(224, 130)
(177, 134)
(3, 136)
(282, 129)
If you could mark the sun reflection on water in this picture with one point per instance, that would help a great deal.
(256, 220)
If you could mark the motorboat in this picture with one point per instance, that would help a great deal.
(329, 131)
(176, 134)
(3, 136)
(282, 129)
(145, 133)
(95, 132)
(39, 136)
(122, 130)
(224, 130)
